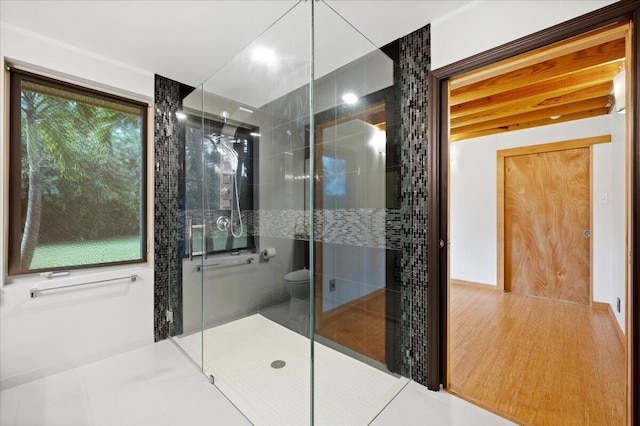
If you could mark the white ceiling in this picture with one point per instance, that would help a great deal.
(189, 41)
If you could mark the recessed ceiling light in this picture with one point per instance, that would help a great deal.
(349, 98)
(263, 55)
(181, 115)
(254, 134)
(555, 117)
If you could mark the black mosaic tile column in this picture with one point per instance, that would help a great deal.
(415, 65)
(169, 152)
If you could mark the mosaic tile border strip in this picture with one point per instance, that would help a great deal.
(376, 228)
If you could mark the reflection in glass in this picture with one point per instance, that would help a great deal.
(334, 176)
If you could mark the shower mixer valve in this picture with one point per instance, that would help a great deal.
(223, 223)
(226, 191)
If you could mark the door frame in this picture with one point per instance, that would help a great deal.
(438, 169)
(535, 149)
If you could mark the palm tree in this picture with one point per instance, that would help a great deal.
(73, 140)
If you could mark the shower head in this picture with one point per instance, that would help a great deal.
(235, 120)
(229, 129)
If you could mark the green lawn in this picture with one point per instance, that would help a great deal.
(86, 252)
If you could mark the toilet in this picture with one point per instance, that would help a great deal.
(297, 284)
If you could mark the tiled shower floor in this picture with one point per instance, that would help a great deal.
(239, 356)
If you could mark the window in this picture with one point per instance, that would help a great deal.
(219, 184)
(77, 177)
(334, 173)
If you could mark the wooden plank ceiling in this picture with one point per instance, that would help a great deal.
(565, 81)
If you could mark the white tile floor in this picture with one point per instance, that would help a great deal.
(157, 385)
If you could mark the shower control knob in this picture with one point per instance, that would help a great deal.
(225, 193)
(223, 223)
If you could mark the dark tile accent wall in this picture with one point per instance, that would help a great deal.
(168, 163)
(415, 65)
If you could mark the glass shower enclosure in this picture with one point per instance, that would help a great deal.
(291, 293)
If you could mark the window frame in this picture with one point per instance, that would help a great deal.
(198, 121)
(14, 210)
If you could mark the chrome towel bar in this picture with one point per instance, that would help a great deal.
(35, 292)
(247, 260)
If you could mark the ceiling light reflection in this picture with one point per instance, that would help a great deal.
(349, 98)
(264, 55)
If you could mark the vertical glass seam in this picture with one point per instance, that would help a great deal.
(312, 163)
(204, 237)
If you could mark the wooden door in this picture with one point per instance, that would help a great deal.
(547, 209)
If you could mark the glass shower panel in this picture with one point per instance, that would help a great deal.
(291, 216)
(256, 278)
(358, 257)
(188, 249)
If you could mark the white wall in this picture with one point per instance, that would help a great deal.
(617, 203)
(473, 210)
(483, 25)
(58, 331)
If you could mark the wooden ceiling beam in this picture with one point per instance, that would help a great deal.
(527, 125)
(528, 92)
(580, 42)
(552, 68)
(374, 117)
(514, 120)
(542, 101)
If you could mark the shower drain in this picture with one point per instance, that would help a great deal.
(278, 363)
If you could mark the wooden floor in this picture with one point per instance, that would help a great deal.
(538, 361)
(359, 325)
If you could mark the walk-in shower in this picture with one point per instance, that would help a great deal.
(291, 289)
